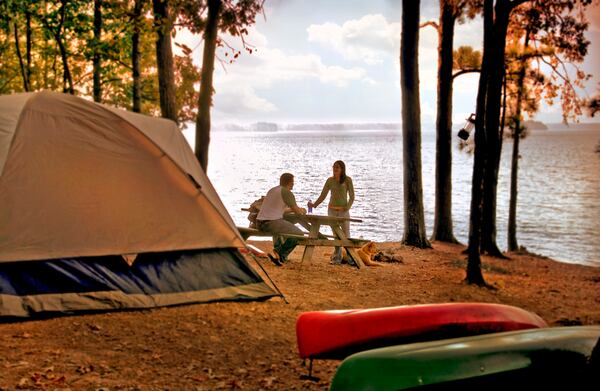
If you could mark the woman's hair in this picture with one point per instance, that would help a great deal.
(342, 165)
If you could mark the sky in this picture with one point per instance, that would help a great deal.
(331, 61)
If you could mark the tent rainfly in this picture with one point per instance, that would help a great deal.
(104, 209)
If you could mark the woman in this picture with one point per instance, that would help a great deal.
(340, 202)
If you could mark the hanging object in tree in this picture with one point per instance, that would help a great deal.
(464, 133)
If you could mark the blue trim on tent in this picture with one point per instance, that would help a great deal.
(151, 274)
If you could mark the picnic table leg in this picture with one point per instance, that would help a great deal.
(306, 225)
(339, 232)
(312, 234)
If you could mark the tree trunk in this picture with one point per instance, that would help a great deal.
(164, 60)
(96, 61)
(135, 57)
(492, 129)
(20, 57)
(414, 217)
(474, 275)
(67, 79)
(206, 83)
(442, 226)
(514, 168)
(28, 42)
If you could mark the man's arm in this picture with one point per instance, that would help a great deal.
(290, 201)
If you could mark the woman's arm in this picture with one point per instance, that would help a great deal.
(323, 194)
(350, 192)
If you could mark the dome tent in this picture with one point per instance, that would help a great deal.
(84, 188)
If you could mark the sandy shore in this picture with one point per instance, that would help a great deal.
(252, 346)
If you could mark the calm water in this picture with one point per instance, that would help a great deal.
(559, 183)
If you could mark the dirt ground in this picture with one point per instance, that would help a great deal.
(252, 346)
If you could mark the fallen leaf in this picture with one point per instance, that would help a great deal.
(23, 335)
(24, 383)
(268, 381)
(199, 378)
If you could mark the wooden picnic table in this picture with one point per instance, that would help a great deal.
(313, 224)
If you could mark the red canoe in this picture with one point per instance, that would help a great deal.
(337, 334)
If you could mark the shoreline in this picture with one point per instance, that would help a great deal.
(252, 345)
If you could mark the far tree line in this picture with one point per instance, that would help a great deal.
(120, 52)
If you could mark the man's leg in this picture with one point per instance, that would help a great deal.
(281, 226)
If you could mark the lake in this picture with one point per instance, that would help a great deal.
(558, 211)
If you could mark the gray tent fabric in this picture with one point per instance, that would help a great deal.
(134, 190)
(81, 181)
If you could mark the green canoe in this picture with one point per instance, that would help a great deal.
(549, 358)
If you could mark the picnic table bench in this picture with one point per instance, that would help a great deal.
(314, 237)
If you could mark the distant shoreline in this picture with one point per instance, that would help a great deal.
(349, 126)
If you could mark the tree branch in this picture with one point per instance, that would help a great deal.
(431, 23)
(464, 71)
(6, 82)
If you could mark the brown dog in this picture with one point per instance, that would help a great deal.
(367, 252)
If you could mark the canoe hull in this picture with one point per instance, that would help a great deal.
(337, 334)
(550, 358)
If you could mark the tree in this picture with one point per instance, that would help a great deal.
(108, 48)
(225, 16)
(414, 218)
(54, 23)
(496, 44)
(593, 105)
(562, 34)
(164, 59)
(488, 133)
(136, 90)
(551, 33)
(187, 75)
(450, 12)
(474, 274)
(206, 84)
(97, 62)
(517, 130)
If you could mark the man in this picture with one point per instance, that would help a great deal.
(270, 218)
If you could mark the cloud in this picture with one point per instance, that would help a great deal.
(266, 66)
(370, 39)
(238, 84)
(469, 34)
(242, 100)
(274, 65)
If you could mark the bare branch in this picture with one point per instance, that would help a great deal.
(464, 71)
(431, 23)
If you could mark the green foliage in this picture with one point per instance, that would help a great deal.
(555, 30)
(465, 57)
(187, 80)
(593, 105)
(70, 24)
